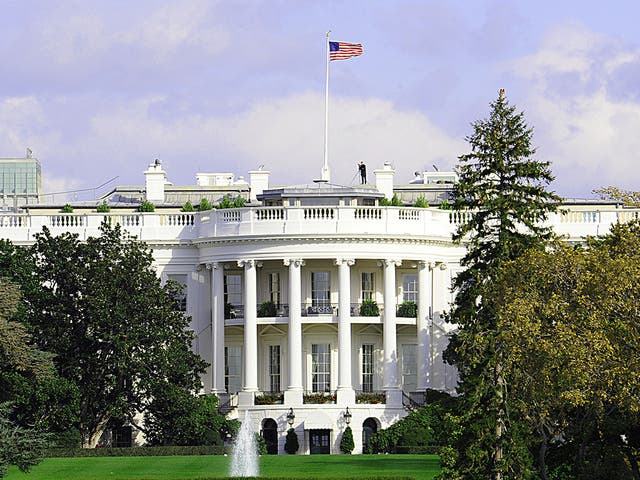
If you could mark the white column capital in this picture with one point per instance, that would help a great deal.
(440, 265)
(297, 262)
(248, 263)
(389, 262)
(212, 265)
(348, 261)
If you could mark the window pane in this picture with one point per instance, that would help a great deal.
(321, 367)
(320, 289)
(274, 288)
(233, 289)
(409, 367)
(367, 368)
(182, 298)
(410, 287)
(368, 286)
(233, 368)
(274, 367)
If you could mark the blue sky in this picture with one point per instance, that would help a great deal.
(101, 89)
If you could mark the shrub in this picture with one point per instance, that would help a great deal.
(385, 202)
(346, 442)
(147, 206)
(395, 201)
(318, 397)
(370, 397)
(421, 202)
(261, 444)
(103, 207)
(187, 207)
(225, 203)
(138, 451)
(204, 205)
(228, 311)
(238, 202)
(407, 310)
(266, 398)
(67, 208)
(445, 205)
(267, 309)
(291, 444)
(369, 308)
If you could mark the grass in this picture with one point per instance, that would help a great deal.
(420, 467)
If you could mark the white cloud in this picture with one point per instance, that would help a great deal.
(586, 129)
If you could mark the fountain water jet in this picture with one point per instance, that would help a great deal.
(244, 457)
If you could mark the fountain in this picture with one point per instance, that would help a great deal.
(244, 457)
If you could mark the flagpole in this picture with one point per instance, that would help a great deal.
(326, 174)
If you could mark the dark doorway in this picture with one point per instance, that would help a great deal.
(369, 427)
(270, 435)
(319, 440)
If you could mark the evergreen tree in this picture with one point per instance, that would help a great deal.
(346, 442)
(291, 444)
(502, 200)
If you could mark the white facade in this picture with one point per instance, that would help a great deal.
(318, 255)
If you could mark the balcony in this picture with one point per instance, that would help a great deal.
(179, 227)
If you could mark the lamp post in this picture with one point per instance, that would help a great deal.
(347, 416)
(291, 417)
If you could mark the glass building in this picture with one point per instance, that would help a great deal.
(20, 182)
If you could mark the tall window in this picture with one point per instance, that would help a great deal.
(232, 369)
(367, 367)
(181, 299)
(409, 368)
(321, 367)
(274, 367)
(274, 288)
(233, 289)
(320, 289)
(410, 287)
(368, 286)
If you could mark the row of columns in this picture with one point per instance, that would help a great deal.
(345, 391)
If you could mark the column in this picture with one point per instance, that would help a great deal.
(393, 393)
(346, 395)
(250, 383)
(217, 328)
(293, 394)
(423, 327)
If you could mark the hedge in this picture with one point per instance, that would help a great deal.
(138, 451)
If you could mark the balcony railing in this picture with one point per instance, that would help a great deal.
(310, 309)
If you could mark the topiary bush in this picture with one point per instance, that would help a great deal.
(204, 205)
(67, 208)
(369, 308)
(407, 309)
(225, 203)
(261, 444)
(421, 202)
(187, 207)
(103, 207)
(238, 202)
(147, 206)
(291, 444)
(267, 309)
(346, 442)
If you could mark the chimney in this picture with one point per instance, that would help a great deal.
(154, 182)
(384, 180)
(259, 182)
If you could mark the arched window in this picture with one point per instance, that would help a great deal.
(270, 435)
(369, 427)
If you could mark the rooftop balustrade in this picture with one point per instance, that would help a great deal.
(574, 222)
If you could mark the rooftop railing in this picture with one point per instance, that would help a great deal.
(574, 222)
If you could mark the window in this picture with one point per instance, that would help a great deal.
(368, 286)
(410, 287)
(233, 369)
(181, 299)
(274, 367)
(367, 367)
(321, 367)
(274, 288)
(320, 289)
(409, 368)
(233, 289)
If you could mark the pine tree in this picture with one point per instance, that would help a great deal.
(502, 200)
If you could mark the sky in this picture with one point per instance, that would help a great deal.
(100, 89)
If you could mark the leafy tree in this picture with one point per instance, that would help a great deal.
(568, 321)
(346, 441)
(18, 446)
(626, 197)
(114, 328)
(503, 188)
(177, 417)
(291, 444)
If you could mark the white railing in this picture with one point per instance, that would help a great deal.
(574, 223)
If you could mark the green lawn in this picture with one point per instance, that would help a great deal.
(420, 467)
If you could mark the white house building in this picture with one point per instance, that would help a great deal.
(315, 305)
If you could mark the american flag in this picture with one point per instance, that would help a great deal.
(344, 50)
